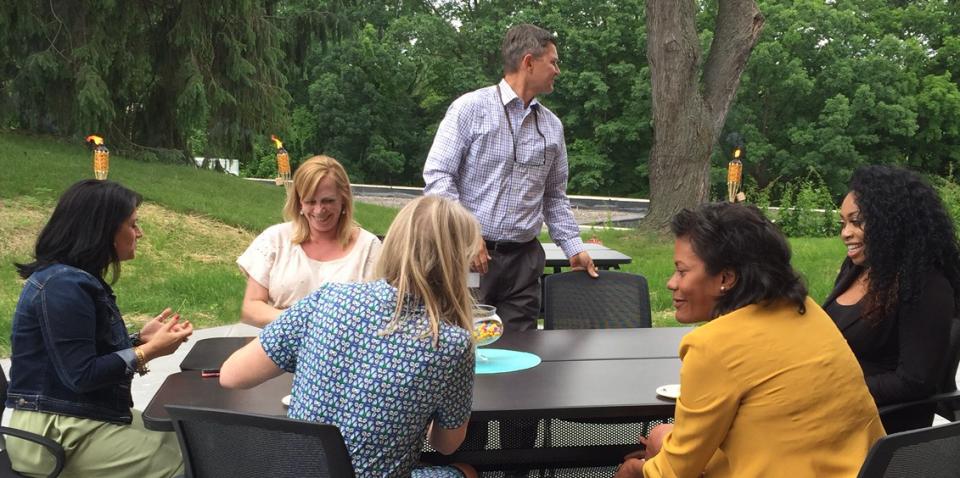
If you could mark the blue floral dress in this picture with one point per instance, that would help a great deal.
(381, 389)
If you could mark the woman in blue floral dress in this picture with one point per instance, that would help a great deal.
(390, 362)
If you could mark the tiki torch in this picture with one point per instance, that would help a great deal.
(101, 157)
(734, 174)
(283, 162)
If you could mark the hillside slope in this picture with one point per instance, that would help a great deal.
(195, 224)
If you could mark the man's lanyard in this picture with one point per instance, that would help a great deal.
(513, 136)
(506, 114)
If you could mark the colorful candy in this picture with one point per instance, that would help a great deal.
(487, 332)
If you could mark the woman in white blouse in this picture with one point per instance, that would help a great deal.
(319, 243)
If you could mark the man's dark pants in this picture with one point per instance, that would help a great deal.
(512, 285)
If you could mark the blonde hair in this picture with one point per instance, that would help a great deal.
(305, 181)
(426, 256)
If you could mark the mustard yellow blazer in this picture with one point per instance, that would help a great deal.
(767, 392)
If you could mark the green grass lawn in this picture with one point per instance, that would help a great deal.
(197, 222)
(817, 259)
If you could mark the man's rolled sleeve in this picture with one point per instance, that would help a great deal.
(557, 212)
(441, 171)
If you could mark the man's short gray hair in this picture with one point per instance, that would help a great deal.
(520, 40)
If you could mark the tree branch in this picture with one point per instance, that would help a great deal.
(737, 30)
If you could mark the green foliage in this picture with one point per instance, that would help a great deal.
(146, 76)
(830, 85)
(949, 192)
(807, 208)
(760, 197)
(588, 167)
(835, 85)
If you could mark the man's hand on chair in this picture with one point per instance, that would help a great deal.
(583, 262)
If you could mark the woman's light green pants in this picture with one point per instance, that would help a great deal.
(94, 448)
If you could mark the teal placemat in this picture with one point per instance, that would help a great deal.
(501, 361)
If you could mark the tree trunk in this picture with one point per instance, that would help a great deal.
(690, 104)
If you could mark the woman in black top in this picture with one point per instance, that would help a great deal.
(898, 289)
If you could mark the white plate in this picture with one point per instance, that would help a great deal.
(671, 391)
(285, 401)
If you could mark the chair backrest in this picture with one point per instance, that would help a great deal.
(949, 383)
(219, 443)
(574, 300)
(928, 452)
(53, 448)
(3, 391)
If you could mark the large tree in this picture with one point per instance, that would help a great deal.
(691, 97)
(147, 75)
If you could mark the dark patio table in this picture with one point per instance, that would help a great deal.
(549, 345)
(596, 344)
(211, 353)
(603, 257)
(605, 375)
(576, 389)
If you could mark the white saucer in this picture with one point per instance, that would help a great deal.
(671, 391)
(285, 401)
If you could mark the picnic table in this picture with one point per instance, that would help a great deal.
(603, 257)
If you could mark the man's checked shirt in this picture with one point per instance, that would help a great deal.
(512, 183)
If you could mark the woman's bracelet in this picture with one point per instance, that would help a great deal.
(141, 361)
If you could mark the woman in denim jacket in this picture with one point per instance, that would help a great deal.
(73, 359)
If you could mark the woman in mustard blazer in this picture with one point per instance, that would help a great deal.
(768, 387)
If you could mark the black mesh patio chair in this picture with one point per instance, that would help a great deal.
(947, 402)
(928, 452)
(615, 300)
(52, 447)
(219, 443)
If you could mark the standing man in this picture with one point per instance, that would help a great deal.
(502, 155)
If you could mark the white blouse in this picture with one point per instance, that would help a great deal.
(289, 275)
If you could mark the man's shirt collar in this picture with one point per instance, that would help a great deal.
(507, 94)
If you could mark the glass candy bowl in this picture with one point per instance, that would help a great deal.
(487, 326)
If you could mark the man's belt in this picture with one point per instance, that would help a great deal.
(504, 246)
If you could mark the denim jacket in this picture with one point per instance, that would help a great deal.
(66, 330)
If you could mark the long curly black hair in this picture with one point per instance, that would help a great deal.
(907, 234)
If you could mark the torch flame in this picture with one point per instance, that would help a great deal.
(736, 153)
(276, 141)
(96, 139)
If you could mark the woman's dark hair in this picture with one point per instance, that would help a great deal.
(738, 237)
(81, 229)
(907, 233)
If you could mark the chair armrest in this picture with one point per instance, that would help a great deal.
(55, 449)
(946, 397)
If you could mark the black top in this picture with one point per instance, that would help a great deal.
(903, 355)
(843, 313)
